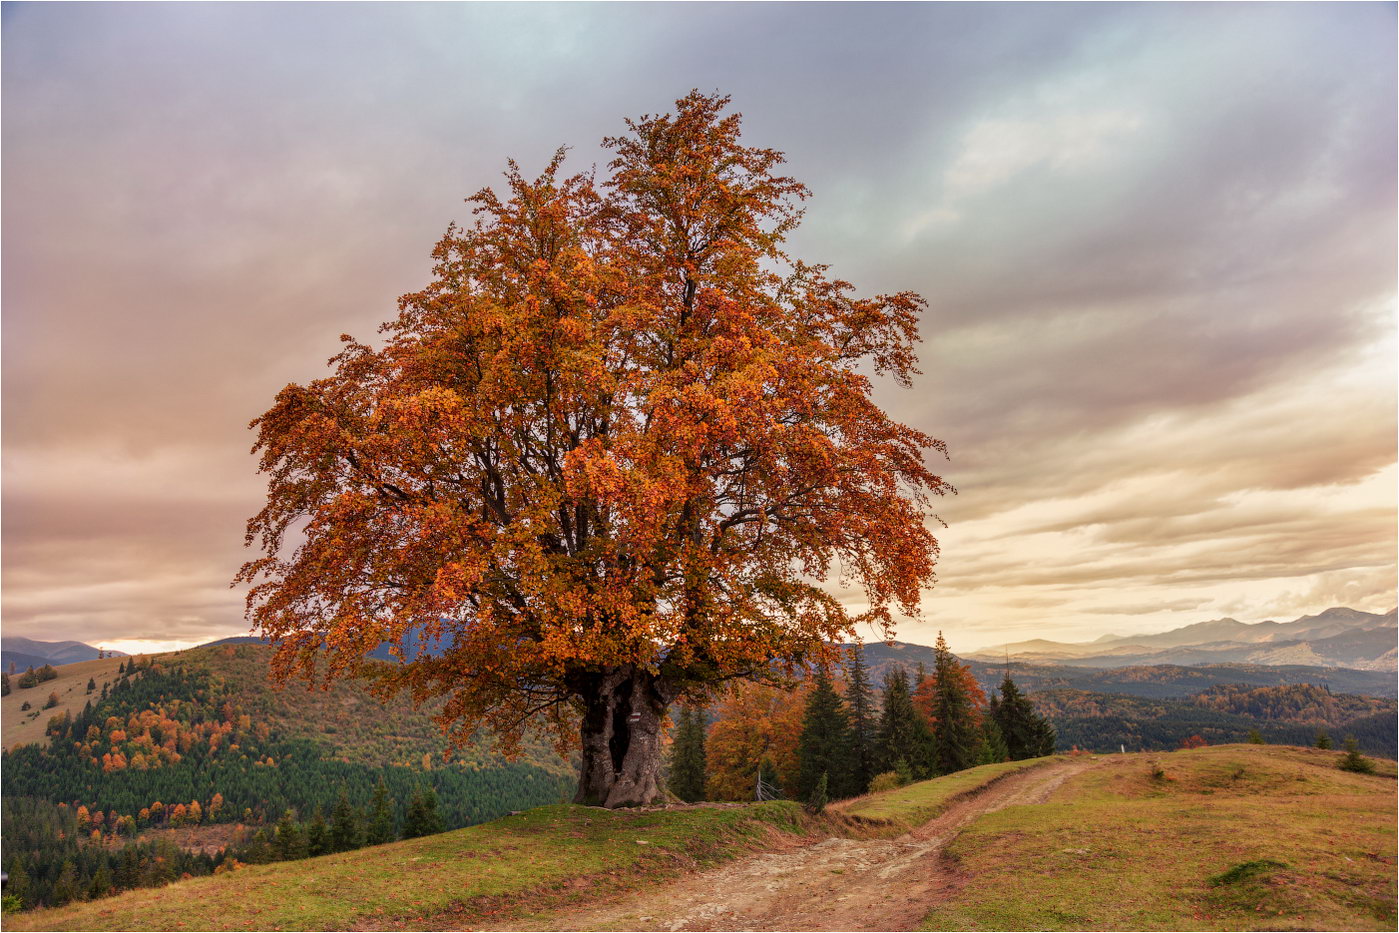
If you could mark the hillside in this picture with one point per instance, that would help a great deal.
(182, 762)
(1224, 838)
(26, 652)
(1289, 715)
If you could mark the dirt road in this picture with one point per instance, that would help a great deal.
(836, 884)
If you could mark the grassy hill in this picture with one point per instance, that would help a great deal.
(1222, 838)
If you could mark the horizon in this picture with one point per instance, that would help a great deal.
(1157, 244)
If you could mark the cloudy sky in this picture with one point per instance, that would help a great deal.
(1158, 245)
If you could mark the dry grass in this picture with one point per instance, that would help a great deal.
(1233, 837)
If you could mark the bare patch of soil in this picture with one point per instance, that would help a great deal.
(834, 884)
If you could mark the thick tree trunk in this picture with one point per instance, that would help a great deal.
(621, 734)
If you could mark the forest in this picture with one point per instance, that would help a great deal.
(170, 751)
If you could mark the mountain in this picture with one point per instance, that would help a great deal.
(1338, 637)
(26, 652)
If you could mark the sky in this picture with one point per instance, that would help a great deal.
(1158, 245)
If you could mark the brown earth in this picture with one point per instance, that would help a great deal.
(834, 884)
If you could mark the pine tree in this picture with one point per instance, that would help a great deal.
(824, 746)
(346, 825)
(4, 685)
(1027, 733)
(688, 770)
(903, 741)
(1322, 739)
(317, 835)
(1255, 737)
(381, 817)
(67, 887)
(19, 884)
(860, 699)
(956, 734)
(91, 684)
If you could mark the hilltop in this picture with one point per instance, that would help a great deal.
(1222, 838)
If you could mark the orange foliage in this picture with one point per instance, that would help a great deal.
(621, 437)
(755, 721)
(1194, 741)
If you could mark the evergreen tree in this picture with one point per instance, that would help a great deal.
(19, 884)
(1322, 739)
(956, 736)
(992, 745)
(346, 825)
(1353, 761)
(1027, 734)
(767, 774)
(290, 840)
(860, 699)
(91, 684)
(422, 818)
(1255, 737)
(824, 746)
(317, 835)
(817, 799)
(67, 887)
(903, 741)
(687, 764)
(101, 882)
(4, 685)
(381, 817)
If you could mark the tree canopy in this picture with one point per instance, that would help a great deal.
(606, 458)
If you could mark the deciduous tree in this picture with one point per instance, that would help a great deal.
(605, 459)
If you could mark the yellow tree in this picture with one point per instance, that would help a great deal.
(755, 722)
(605, 460)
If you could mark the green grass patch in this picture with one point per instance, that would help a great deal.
(543, 857)
(1234, 837)
(915, 804)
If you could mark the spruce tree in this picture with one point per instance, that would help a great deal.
(317, 835)
(823, 749)
(346, 825)
(1322, 739)
(992, 746)
(422, 818)
(956, 736)
(860, 698)
(687, 762)
(4, 685)
(381, 817)
(290, 840)
(1027, 733)
(903, 738)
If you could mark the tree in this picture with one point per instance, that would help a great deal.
(687, 763)
(1323, 740)
(381, 828)
(422, 818)
(4, 685)
(816, 801)
(346, 825)
(756, 723)
(317, 835)
(904, 742)
(860, 699)
(992, 746)
(824, 746)
(604, 460)
(1027, 734)
(1255, 737)
(952, 699)
(1353, 761)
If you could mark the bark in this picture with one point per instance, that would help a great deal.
(621, 733)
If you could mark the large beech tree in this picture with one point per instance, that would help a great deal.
(607, 458)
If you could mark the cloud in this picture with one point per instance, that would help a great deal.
(1157, 243)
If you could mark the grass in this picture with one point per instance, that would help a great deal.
(542, 857)
(915, 804)
(1233, 837)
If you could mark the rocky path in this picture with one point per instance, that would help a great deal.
(836, 884)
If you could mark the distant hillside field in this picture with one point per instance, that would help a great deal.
(1225, 838)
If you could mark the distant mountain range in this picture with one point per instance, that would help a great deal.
(1335, 638)
(24, 653)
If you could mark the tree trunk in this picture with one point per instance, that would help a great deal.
(621, 734)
